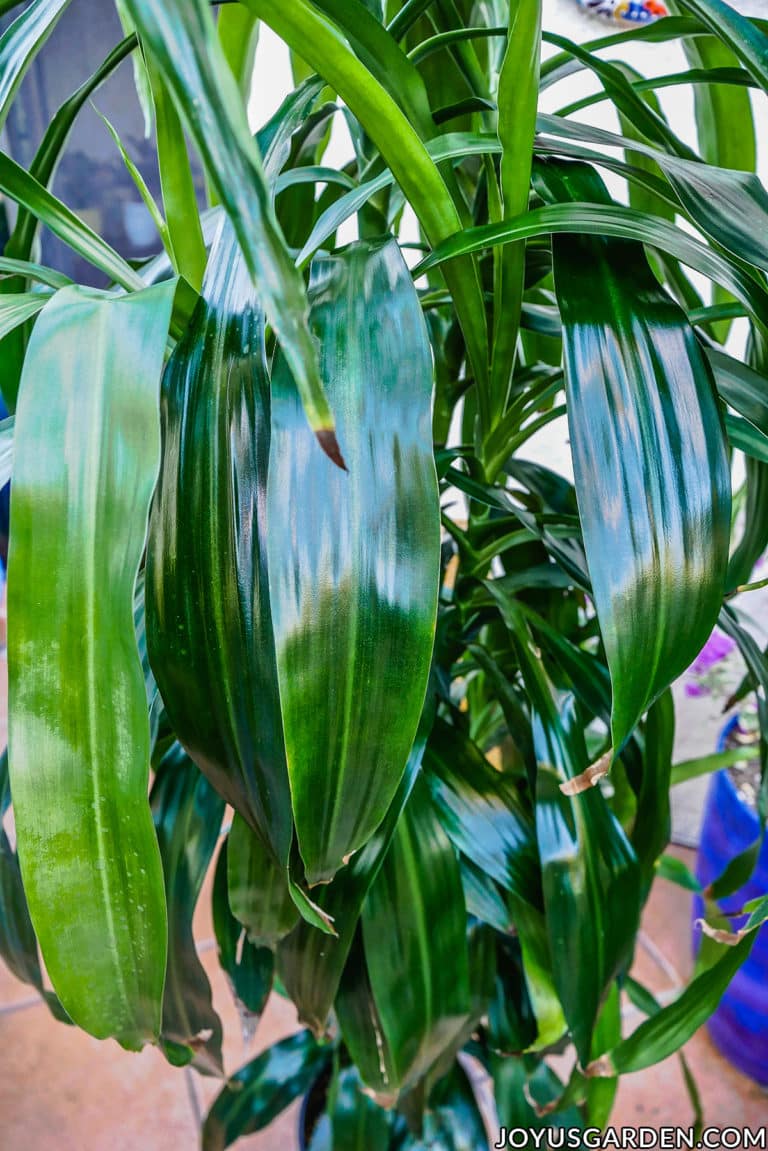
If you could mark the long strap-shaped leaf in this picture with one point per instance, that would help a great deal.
(21, 42)
(322, 46)
(187, 813)
(650, 464)
(414, 928)
(182, 36)
(209, 627)
(353, 559)
(86, 456)
(310, 963)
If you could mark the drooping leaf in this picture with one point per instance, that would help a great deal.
(56, 135)
(187, 813)
(482, 812)
(353, 569)
(453, 1121)
(614, 221)
(22, 187)
(590, 873)
(16, 309)
(311, 964)
(414, 930)
(258, 1092)
(667, 1030)
(181, 35)
(20, 43)
(650, 463)
(18, 942)
(249, 969)
(85, 464)
(352, 1120)
(209, 628)
(259, 895)
(746, 38)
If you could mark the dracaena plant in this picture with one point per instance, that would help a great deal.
(444, 734)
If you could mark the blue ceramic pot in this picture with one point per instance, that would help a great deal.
(739, 1026)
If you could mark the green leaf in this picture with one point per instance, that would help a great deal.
(85, 466)
(183, 233)
(47, 276)
(482, 812)
(7, 430)
(414, 930)
(20, 43)
(352, 1121)
(453, 1121)
(730, 206)
(724, 120)
(22, 187)
(667, 1030)
(262, 1089)
(141, 186)
(652, 826)
(517, 101)
(187, 814)
(747, 40)
(209, 629)
(316, 40)
(18, 942)
(353, 571)
(249, 969)
(590, 873)
(181, 35)
(311, 964)
(238, 31)
(609, 220)
(650, 462)
(259, 895)
(56, 135)
(17, 308)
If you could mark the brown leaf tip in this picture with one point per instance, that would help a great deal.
(326, 437)
(590, 777)
(601, 1068)
(729, 938)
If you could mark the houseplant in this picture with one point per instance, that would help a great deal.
(238, 579)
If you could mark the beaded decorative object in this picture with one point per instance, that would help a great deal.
(626, 11)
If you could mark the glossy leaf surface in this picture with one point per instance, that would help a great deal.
(259, 895)
(209, 629)
(249, 969)
(20, 43)
(187, 813)
(590, 874)
(311, 964)
(414, 929)
(86, 460)
(354, 558)
(181, 35)
(482, 812)
(650, 464)
(262, 1089)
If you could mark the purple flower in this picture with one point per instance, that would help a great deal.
(717, 647)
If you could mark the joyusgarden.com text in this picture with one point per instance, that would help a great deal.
(672, 1138)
